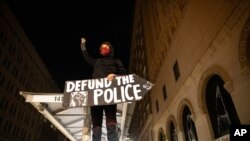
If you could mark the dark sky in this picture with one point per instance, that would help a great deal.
(55, 27)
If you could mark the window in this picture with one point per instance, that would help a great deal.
(220, 107)
(189, 126)
(1, 51)
(2, 79)
(164, 92)
(157, 106)
(176, 71)
(161, 136)
(173, 134)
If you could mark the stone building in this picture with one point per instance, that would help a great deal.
(197, 54)
(21, 69)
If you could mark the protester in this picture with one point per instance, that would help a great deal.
(104, 66)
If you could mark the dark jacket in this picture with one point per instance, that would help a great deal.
(104, 65)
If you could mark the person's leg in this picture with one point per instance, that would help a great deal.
(111, 123)
(96, 117)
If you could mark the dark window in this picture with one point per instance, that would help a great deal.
(173, 134)
(189, 126)
(176, 71)
(1, 52)
(161, 136)
(4, 103)
(1, 36)
(220, 106)
(1, 120)
(157, 105)
(2, 79)
(164, 92)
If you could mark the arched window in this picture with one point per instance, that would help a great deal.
(161, 135)
(220, 107)
(188, 125)
(173, 134)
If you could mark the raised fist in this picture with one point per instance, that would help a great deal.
(83, 47)
(83, 40)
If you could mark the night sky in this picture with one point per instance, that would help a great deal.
(55, 27)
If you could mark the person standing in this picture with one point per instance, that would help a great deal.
(104, 66)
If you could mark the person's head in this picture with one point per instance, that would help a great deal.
(105, 49)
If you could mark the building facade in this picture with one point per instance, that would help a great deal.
(197, 54)
(21, 69)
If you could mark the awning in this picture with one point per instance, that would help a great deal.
(74, 123)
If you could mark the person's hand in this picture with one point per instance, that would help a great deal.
(111, 76)
(83, 40)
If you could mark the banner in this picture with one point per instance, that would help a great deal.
(92, 92)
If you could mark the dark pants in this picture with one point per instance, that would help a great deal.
(111, 123)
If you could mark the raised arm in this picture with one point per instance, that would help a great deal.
(85, 54)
